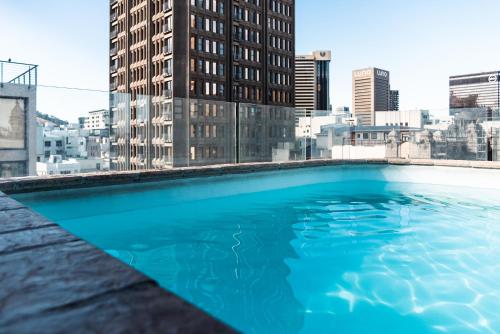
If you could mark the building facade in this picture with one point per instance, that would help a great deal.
(478, 90)
(97, 122)
(370, 93)
(177, 67)
(416, 119)
(312, 81)
(18, 87)
(394, 100)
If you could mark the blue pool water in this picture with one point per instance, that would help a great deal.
(324, 250)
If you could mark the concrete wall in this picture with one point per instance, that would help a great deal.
(358, 152)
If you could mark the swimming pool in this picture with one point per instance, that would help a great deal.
(321, 250)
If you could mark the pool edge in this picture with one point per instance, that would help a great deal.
(57, 182)
(53, 281)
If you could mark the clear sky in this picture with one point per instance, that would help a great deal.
(421, 42)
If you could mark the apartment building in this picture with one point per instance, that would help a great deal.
(177, 68)
(370, 93)
(97, 122)
(312, 81)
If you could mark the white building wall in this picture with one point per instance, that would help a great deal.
(407, 118)
(340, 152)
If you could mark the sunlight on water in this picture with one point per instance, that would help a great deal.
(332, 257)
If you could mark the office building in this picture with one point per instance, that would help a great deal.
(18, 87)
(479, 90)
(210, 52)
(370, 93)
(394, 100)
(312, 81)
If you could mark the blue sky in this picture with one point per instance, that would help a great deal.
(421, 42)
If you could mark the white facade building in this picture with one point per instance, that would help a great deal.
(408, 118)
(55, 165)
(97, 120)
(311, 126)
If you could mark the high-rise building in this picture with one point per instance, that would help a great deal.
(478, 90)
(370, 93)
(394, 100)
(18, 140)
(312, 81)
(162, 51)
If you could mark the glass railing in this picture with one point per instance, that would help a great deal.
(465, 134)
(80, 131)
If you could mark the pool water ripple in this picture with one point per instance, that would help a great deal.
(328, 257)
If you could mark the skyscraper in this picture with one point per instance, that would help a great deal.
(478, 90)
(212, 50)
(312, 81)
(394, 100)
(370, 93)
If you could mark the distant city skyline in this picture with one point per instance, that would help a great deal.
(421, 43)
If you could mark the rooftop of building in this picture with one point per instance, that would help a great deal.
(480, 74)
(18, 73)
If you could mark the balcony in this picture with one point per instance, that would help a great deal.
(113, 68)
(167, 72)
(114, 16)
(113, 33)
(167, 5)
(167, 93)
(166, 115)
(167, 50)
(167, 28)
(113, 51)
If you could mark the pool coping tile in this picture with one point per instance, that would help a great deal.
(54, 282)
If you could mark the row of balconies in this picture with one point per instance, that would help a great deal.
(161, 162)
(138, 159)
(161, 119)
(161, 140)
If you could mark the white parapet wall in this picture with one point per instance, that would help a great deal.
(342, 152)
